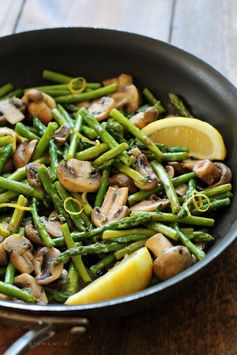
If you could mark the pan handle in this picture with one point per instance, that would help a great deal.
(44, 329)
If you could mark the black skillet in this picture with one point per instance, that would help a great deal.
(98, 54)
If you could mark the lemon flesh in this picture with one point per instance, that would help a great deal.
(202, 139)
(130, 275)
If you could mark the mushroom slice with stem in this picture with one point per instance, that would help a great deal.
(29, 284)
(78, 176)
(113, 208)
(32, 175)
(31, 233)
(143, 167)
(53, 227)
(181, 189)
(170, 170)
(127, 98)
(20, 250)
(122, 180)
(11, 110)
(150, 205)
(39, 104)
(23, 153)
(61, 135)
(101, 108)
(157, 243)
(212, 173)
(143, 118)
(45, 269)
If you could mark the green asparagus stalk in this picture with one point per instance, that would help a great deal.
(63, 79)
(178, 103)
(164, 229)
(40, 226)
(39, 126)
(53, 160)
(86, 206)
(77, 260)
(66, 116)
(89, 132)
(14, 93)
(199, 236)
(103, 263)
(59, 118)
(118, 116)
(5, 89)
(127, 239)
(74, 138)
(8, 196)
(5, 154)
(95, 94)
(10, 273)
(168, 186)
(132, 173)
(20, 188)
(4, 232)
(103, 188)
(43, 143)
(92, 152)
(25, 132)
(72, 280)
(153, 100)
(18, 215)
(129, 249)
(4, 140)
(110, 154)
(191, 188)
(15, 292)
(111, 234)
(214, 205)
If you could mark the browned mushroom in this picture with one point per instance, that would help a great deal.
(122, 80)
(114, 207)
(39, 104)
(78, 176)
(122, 180)
(143, 118)
(170, 170)
(150, 204)
(32, 175)
(3, 256)
(11, 110)
(181, 189)
(28, 283)
(53, 227)
(101, 108)
(143, 167)
(207, 171)
(171, 262)
(45, 269)
(20, 249)
(157, 243)
(226, 174)
(24, 153)
(126, 98)
(61, 135)
(31, 233)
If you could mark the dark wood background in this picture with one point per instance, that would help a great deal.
(202, 318)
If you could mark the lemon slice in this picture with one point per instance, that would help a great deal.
(130, 275)
(201, 138)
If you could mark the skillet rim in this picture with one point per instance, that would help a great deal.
(207, 73)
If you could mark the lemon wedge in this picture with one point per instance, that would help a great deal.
(202, 139)
(130, 275)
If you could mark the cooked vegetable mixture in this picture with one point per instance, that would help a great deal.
(91, 207)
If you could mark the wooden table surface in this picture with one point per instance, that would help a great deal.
(202, 318)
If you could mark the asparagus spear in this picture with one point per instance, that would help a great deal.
(5, 154)
(5, 89)
(39, 126)
(111, 234)
(4, 140)
(153, 100)
(18, 215)
(40, 227)
(10, 273)
(43, 143)
(25, 132)
(110, 154)
(103, 263)
(118, 116)
(178, 103)
(4, 232)
(66, 116)
(168, 185)
(53, 160)
(132, 173)
(129, 249)
(74, 138)
(72, 280)
(15, 292)
(89, 132)
(20, 188)
(64, 79)
(77, 260)
(103, 188)
(191, 188)
(92, 152)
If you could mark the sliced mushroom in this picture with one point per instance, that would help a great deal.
(29, 284)
(11, 110)
(101, 108)
(143, 167)
(78, 176)
(31, 233)
(150, 204)
(44, 263)
(181, 189)
(20, 249)
(53, 227)
(61, 135)
(207, 171)
(226, 174)
(143, 118)
(39, 104)
(3, 255)
(127, 98)
(122, 80)
(122, 180)
(114, 207)
(157, 243)
(171, 262)
(170, 170)
(32, 175)
(23, 153)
